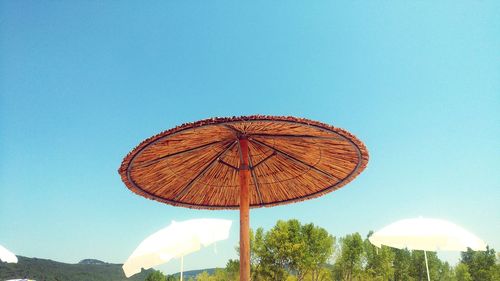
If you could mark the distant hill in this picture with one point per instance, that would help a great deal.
(193, 273)
(48, 270)
(91, 261)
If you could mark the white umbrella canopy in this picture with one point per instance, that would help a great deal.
(176, 240)
(7, 256)
(428, 235)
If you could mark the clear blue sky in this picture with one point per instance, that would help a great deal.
(83, 82)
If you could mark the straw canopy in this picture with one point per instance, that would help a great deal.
(197, 165)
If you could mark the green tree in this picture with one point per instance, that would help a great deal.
(171, 278)
(271, 253)
(347, 266)
(418, 268)
(445, 272)
(316, 249)
(496, 272)
(462, 272)
(156, 276)
(481, 264)
(402, 265)
(204, 276)
(290, 248)
(379, 261)
(233, 270)
(324, 274)
(220, 275)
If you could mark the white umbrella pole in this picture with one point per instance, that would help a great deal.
(182, 265)
(427, 266)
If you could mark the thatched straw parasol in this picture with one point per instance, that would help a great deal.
(243, 162)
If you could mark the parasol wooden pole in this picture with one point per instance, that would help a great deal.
(244, 212)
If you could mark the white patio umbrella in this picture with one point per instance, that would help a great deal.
(427, 235)
(7, 256)
(176, 240)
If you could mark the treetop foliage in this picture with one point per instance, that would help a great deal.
(292, 251)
